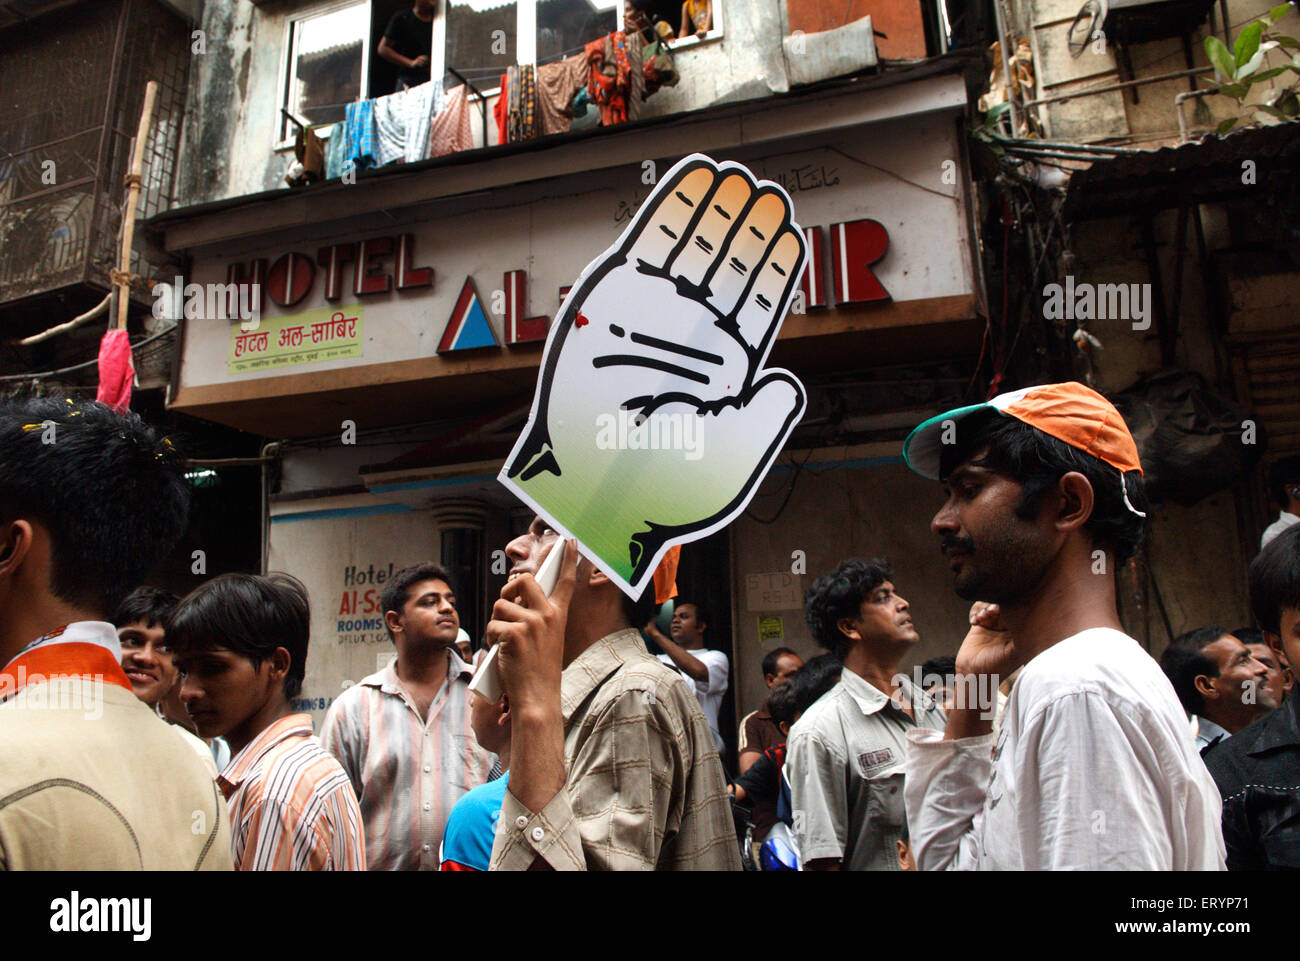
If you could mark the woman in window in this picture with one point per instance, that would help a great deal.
(697, 18)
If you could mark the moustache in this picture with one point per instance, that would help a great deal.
(957, 543)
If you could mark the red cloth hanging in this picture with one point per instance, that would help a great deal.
(501, 110)
(116, 370)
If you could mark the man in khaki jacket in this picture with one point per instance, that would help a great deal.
(90, 500)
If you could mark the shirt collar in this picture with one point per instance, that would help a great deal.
(871, 699)
(590, 668)
(1208, 730)
(388, 682)
(1287, 518)
(291, 725)
(101, 633)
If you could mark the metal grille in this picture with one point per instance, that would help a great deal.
(156, 47)
(61, 165)
(50, 130)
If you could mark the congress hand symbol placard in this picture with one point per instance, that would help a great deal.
(654, 420)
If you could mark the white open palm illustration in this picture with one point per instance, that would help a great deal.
(675, 320)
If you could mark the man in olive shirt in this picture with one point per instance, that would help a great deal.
(846, 754)
(612, 762)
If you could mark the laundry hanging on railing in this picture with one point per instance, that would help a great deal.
(610, 78)
(356, 148)
(450, 130)
(557, 84)
(402, 123)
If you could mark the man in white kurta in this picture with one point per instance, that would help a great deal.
(1094, 766)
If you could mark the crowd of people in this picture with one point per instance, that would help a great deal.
(143, 730)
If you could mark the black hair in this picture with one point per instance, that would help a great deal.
(150, 606)
(107, 487)
(840, 594)
(1281, 475)
(781, 703)
(1248, 635)
(1038, 461)
(249, 615)
(1275, 579)
(1184, 660)
(398, 589)
(814, 679)
(771, 657)
(944, 666)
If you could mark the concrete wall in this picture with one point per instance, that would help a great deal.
(841, 509)
(236, 85)
(1113, 114)
(1195, 551)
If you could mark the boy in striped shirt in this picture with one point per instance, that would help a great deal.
(241, 642)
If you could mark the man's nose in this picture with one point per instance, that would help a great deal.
(519, 548)
(945, 521)
(189, 690)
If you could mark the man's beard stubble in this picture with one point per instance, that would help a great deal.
(1005, 567)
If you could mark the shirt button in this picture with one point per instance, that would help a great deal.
(538, 833)
(426, 805)
(427, 769)
(426, 847)
(521, 822)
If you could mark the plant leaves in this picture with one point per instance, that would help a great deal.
(1250, 66)
(1289, 42)
(1237, 91)
(1271, 111)
(1268, 74)
(1226, 126)
(1278, 12)
(1247, 43)
(1220, 57)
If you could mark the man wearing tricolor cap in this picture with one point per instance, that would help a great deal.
(1094, 766)
(90, 500)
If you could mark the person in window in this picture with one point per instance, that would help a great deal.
(697, 18)
(407, 43)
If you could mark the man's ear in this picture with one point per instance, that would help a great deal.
(1205, 686)
(1077, 501)
(848, 628)
(596, 578)
(394, 622)
(280, 661)
(16, 539)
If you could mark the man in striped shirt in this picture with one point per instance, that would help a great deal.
(241, 642)
(403, 734)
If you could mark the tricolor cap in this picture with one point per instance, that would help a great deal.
(1070, 412)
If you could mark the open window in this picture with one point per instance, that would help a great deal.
(328, 60)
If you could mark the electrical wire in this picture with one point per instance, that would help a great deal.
(10, 378)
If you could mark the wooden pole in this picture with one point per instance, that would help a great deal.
(133, 181)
